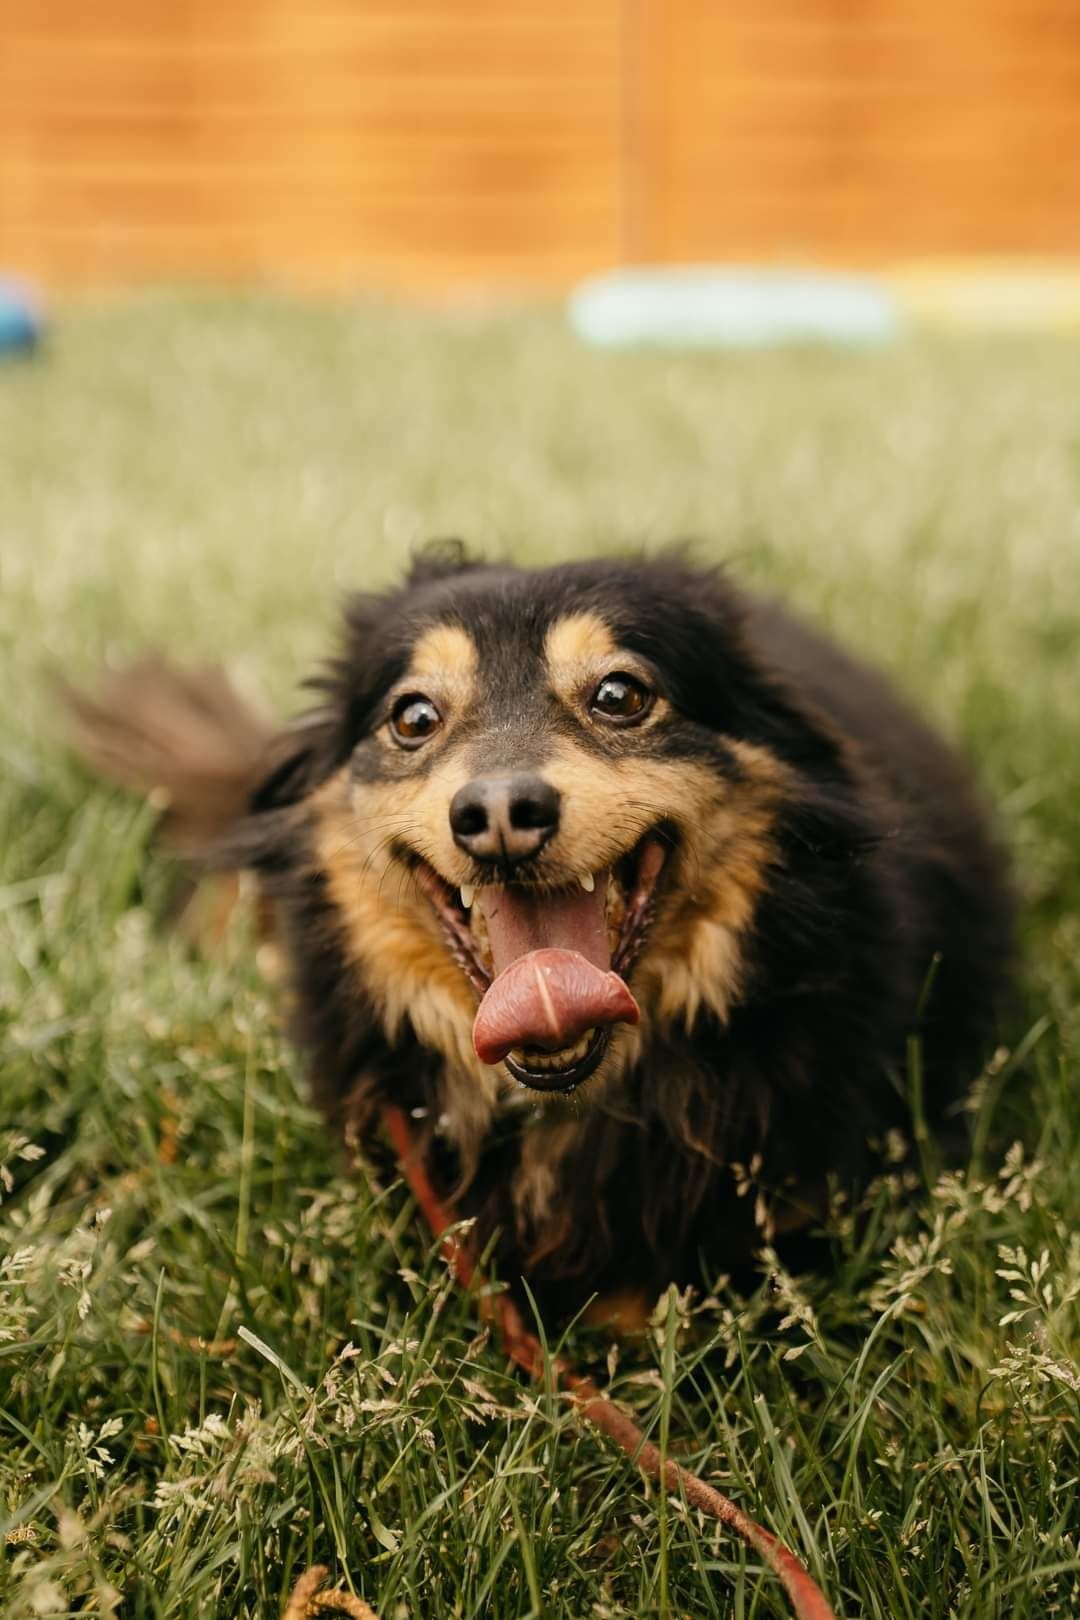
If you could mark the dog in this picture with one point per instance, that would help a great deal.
(632, 889)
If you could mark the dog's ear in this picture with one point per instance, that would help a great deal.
(298, 759)
(713, 643)
(440, 559)
(295, 762)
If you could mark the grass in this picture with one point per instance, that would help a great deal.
(223, 1356)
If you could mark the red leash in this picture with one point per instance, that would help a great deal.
(524, 1348)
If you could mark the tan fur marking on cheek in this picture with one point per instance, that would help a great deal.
(607, 805)
(446, 650)
(694, 959)
(706, 973)
(414, 809)
(400, 959)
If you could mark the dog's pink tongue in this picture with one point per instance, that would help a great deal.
(553, 972)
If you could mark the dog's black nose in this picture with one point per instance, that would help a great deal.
(504, 818)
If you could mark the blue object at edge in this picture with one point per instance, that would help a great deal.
(21, 323)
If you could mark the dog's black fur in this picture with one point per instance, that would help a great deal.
(871, 905)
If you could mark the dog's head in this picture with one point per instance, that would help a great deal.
(541, 804)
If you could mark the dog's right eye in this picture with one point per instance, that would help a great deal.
(622, 699)
(413, 719)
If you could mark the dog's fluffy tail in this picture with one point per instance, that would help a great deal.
(186, 738)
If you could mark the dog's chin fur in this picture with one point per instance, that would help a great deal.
(825, 859)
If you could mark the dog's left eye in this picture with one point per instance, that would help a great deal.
(413, 719)
(622, 699)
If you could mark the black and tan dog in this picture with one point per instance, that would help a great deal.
(616, 878)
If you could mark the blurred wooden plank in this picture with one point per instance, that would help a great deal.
(314, 139)
(900, 129)
(343, 139)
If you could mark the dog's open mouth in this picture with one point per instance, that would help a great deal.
(551, 966)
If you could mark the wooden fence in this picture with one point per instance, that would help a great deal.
(439, 143)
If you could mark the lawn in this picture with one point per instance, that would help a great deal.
(208, 474)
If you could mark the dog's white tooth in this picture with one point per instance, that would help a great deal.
(587, 881)
(468, 894)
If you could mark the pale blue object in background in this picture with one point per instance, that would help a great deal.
(21, 319)
(718, 307)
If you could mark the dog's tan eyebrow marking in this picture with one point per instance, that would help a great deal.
(448, 653)
(581, 640)
(580, 649)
